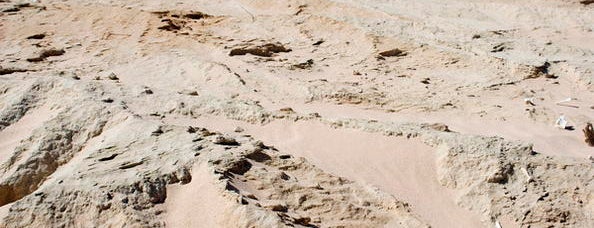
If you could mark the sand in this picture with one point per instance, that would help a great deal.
(296, 113)
(402, 167)
(197, 204)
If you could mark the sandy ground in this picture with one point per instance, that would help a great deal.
(546, 139)
(402, 167)
(123, 77)
(197, 204)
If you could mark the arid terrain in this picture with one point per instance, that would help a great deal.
(296, 113)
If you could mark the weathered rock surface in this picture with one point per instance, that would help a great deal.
(101, 104)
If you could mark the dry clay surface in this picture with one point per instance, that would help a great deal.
(332, 113)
